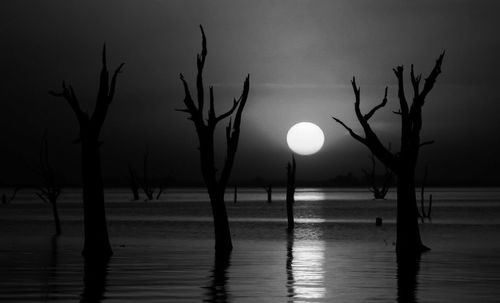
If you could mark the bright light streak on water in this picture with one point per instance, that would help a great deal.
(310, 196)
(308, 270)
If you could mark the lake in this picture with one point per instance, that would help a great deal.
(163, 250)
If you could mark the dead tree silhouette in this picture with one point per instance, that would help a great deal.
(216, 185)
(50, 189)
(147, 184)
(379, 192)
(290, 192)
(152, 187)
(402, 163)
(133, 183)
(96, 243)
(7, 199)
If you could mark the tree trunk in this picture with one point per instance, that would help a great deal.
(223, 241)
(96, 241)
(408, 234)
(290, 193)
(57, 222)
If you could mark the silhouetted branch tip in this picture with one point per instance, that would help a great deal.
(426, 143)
(204, 50)
(351, 132)
(229, 112)
(382, 104)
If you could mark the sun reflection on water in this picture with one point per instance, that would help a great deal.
(310, 196)
(305, 269)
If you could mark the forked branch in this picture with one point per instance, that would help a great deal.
(206, 128)
(370, 139)
(105, 95)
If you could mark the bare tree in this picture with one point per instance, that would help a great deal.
(290, 192)
(7, 199)
(96, 243)
(133, 183)
(403, 162)
(149, 185)
(205, 129)
(379, 192)
(50, 190)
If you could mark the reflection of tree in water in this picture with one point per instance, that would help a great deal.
(305, 265)
(289, 269)
(217, 290)
(49, 287)
(95, 274)
(408, 268)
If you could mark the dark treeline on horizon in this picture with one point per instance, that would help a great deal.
(348, 179)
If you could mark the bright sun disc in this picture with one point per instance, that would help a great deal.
(305, 138)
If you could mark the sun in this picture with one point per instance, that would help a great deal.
(305, 138)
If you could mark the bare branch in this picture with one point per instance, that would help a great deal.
(211, 110)
(370, 139)
(106, 93)
(233, 134)
(382, 104)
(102, 94)
(70, 97)
(357, 94)
(42, 197)
(242, 100)
(229, 112)
(188, 100)
(415, 81)
(200, 63)
(398, 71)
(426, 143)
(431, 79)
(228, 132)
(351, 132)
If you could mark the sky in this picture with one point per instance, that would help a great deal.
(300, 54)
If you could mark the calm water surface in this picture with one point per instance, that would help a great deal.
(163, 250)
